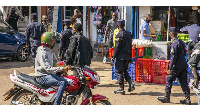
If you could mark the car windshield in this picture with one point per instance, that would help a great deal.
(4, 26)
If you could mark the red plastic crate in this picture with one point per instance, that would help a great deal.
(159, 71)
(110, 52)
(133, 53)
(143, 70)
(140, 51)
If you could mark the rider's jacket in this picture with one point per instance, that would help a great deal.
(44, 61)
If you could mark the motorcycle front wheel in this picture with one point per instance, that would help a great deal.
(24, 97)
(102, 102)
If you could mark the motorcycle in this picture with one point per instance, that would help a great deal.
(27, 91)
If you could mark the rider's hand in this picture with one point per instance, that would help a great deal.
(59, 58)
(66, 68)
(196, 82)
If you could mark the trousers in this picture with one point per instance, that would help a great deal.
(182, 77)
(121, 69)
(54, 80)
(35, 43)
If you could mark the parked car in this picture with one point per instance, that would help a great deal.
(12, 43)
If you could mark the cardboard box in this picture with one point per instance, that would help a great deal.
(158, 25)
(152, 31)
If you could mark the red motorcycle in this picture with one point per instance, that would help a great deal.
(27, 91)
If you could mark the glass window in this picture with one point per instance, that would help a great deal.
(4, 28)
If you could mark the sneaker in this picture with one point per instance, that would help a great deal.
(104, 59)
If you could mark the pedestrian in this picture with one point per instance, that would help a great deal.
(79, 52)
(65, 40)
(193, 31)
(111, 26)
(73, 22)
(34, 32)
(177, 68)
(45, 73)
(44, 22)
(144, 29)
(12, 19)
(194, 63)
(122, 55)
(77, 15)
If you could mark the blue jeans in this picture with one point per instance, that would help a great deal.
(54, 80)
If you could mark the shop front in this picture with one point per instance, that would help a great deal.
(179, 17)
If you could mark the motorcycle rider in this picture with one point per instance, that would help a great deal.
(79, 52)
(44, 71)
(122, 54)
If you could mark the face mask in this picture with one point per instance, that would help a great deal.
(12, 12)
(148, 20)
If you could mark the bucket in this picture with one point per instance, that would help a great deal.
(159, 37)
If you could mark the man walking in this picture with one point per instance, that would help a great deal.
(122, 54)
(177, 68)
(79, 52)
(65, 40)
(34, 32)
(193, 31)
(111, 26)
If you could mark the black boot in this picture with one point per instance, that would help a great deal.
(131, 86)
(121, 90)
(187, 100)
(165, 99)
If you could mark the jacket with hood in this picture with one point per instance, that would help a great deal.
(44, 61)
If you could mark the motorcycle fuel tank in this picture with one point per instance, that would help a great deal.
(74, 85)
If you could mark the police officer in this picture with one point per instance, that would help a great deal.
(122, 55)
(177, 68)
(65, 40)
(34, 32)
(194, 63)
(12, 19)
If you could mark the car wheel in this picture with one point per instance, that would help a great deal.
(22, 53)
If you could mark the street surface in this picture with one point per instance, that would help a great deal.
(144, 94)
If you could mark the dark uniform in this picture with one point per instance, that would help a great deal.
(34, 32)
(13, 21)
(65, 40)
(122, 54)
(178, 66)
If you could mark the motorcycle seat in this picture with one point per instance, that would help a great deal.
(31, 80)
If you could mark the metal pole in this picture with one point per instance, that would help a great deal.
(168, 25)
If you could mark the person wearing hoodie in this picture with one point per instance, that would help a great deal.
(45, 72)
